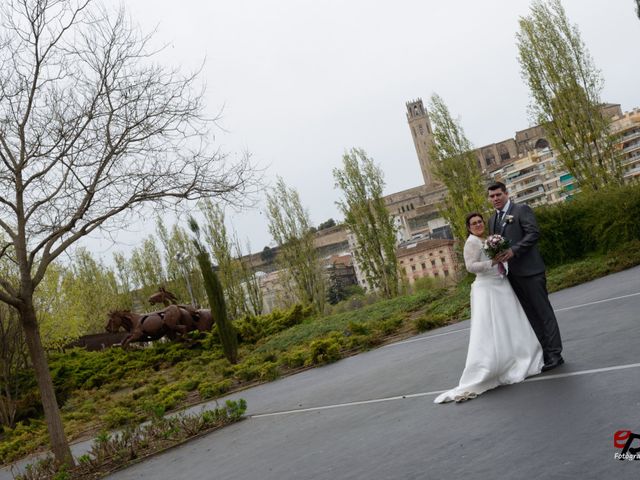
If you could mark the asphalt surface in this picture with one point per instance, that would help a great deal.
(372, 416)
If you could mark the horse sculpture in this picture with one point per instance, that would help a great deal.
(163, 296)
(172, 321)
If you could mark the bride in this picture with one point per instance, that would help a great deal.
(503, 348)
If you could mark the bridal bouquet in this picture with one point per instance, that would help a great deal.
(495, 244)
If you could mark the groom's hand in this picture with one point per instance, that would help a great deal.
(505, 256)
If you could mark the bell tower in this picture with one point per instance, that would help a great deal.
(422, 135)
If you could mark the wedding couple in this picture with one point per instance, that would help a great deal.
(514, 332)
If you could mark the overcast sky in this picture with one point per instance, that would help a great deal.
(300, 81)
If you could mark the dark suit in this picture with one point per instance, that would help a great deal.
(527, 275)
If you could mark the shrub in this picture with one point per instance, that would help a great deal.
(429, 321)
(268, 371)
(594, 222)
(214, 389)
(118, 417)
(390, 324)
(324, 350)
(295, 358)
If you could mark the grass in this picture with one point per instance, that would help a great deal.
(112, 388)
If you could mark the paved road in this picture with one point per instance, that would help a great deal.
(372, 416)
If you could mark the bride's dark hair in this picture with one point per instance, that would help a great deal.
(468, 218)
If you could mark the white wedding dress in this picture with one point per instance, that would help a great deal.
(503, 348)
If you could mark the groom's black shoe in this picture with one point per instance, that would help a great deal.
(553, 363)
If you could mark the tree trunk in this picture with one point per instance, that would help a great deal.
(59, 444)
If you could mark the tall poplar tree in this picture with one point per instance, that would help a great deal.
(456, 166)
(361, 182)
(565, 88)
(290, 227)
(241, 288)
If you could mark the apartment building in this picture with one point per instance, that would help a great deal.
(427, 258)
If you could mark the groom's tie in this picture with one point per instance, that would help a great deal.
(500, 214)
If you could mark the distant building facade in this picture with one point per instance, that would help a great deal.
(427, 258)
(626, 129)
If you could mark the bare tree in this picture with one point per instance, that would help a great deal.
(91, 128)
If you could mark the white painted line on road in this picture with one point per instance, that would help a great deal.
(348, 404)
(582, 372)
(437, 392)
(422, 339)
(596, 302)
(425, 338)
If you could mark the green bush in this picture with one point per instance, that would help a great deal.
(21, 440)
(589, 223)
(429, 321)
(119, 416)
(268, 371)
(214, 389)
(294, 358)
(324, 350)
(390, 324)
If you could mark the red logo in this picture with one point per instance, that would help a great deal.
(620, 438)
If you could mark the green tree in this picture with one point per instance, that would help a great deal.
(328, 224)
(73, 300)
(229, 269)
(456, 166)
(367, 217)
(147, 268)
(91, 291)
(254, 300)
(57, 325)
(92, 130)
(290, 228)
(565, 89)
(180, 263)
(215, 293)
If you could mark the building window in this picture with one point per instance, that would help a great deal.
(433, 263)
(421, 129)
(424, 266)
(443, 260)
(488, 157)
(446, 273)
(413, 268)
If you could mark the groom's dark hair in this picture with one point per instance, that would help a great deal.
(496, 186)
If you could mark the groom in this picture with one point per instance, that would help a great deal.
(518, 224)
